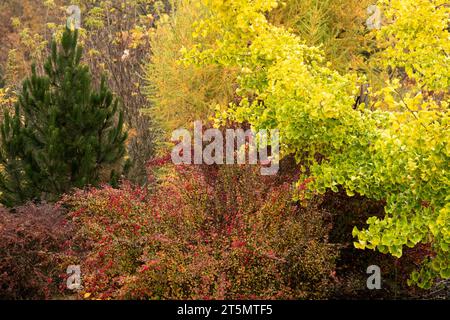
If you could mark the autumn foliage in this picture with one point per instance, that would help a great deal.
(32, 246)
(213, 233)
(358, 91)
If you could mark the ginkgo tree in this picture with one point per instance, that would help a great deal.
(394, 147)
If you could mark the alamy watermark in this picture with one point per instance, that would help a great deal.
(74, 20)
(374, 280)
(74, 279)
(228, 146)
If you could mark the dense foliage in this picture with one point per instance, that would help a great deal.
(32, 242)
(338, 26)
(116, 35)
(358, 89)
(226, 233)
(401, 157)
(63, 132)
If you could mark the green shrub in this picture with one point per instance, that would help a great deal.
(336, 25)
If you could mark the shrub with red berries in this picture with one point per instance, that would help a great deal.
(205, 232)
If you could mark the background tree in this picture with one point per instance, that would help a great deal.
(337, 26)
(63, 134)
(181, 94)
(116, 39)
(25, 35)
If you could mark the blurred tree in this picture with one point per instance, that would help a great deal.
(63, 134)
(181, 94)
(336, 25)
(117, 42)
(24, 35)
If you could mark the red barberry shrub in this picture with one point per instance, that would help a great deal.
(111, 232)
(206, 232)
(32, 239)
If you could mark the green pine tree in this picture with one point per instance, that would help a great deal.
(64, 132)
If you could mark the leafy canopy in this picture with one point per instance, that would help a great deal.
(397, 149)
